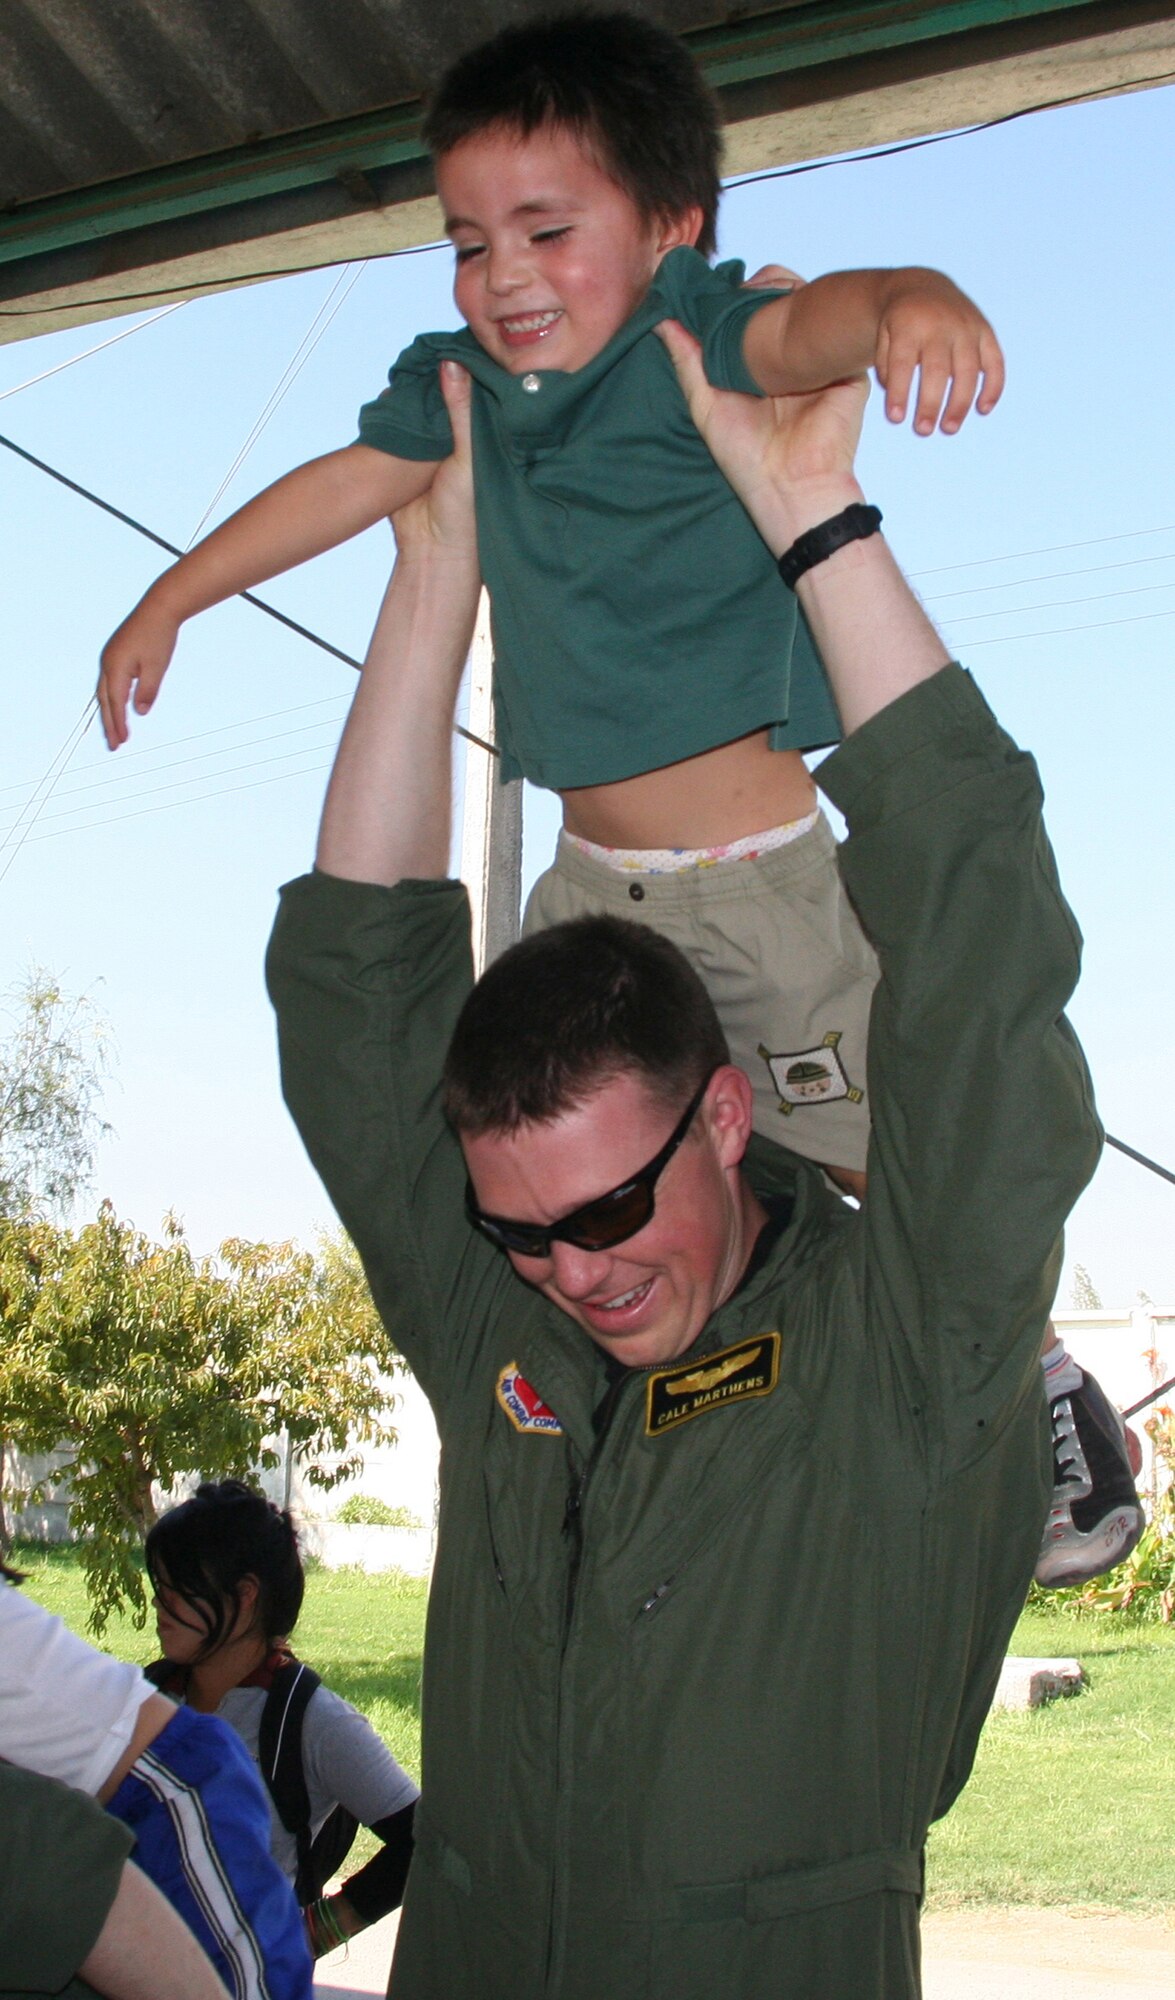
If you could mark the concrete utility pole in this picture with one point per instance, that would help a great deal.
(491, 819)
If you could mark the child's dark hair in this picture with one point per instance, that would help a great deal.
(628, 88)
(205, 1548)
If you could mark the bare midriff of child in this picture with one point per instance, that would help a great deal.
(721, 795)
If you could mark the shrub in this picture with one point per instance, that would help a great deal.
(363, 1510)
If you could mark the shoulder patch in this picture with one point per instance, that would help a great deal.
(523, 1405)
(810, 1076)
(674, 1395)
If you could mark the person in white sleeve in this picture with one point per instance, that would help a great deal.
(181, 1782)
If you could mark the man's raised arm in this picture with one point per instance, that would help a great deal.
(790, 460)
(369, 961)
(984, 1130)
(387, 811)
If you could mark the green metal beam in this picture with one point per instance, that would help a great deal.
(768, 45)
(246, 173)
(802, 37)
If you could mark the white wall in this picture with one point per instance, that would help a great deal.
(1131, 1349)
(403, 1474)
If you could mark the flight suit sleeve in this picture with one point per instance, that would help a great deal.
(984, 1128)
(61, 1862)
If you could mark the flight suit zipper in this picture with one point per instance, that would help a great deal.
(573, 1511)
(572, 1530)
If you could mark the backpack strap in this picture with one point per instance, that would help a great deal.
(168, 1678)
(279, 1751)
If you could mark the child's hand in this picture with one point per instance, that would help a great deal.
(770, 447)
(134, 661)
(928, 327)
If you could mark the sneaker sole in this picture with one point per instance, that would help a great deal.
(1079, 1559)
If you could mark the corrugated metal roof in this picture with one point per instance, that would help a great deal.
(93, 89)
(168, 147)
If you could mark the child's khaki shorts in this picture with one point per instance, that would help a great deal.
(784, 960)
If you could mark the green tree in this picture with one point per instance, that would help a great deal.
(339, 1278)
(151, 1363)
(1083, 1291)
(52, 1064)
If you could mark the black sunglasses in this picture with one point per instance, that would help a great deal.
(609, 1219)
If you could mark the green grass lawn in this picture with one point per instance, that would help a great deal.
(1073, 1803)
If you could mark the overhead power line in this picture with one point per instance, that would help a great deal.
(336, 652)
(27, 818)
(1053, 549)
(1058, 603)
(1120, 1146)
(172, 784)
(47, 373)
(118, 781)
(336, 298)
(143, 812)
(941, 138)
(1049, 576)
(1165, 1174)
(1151, 1397)
(1060, 631)
(153, 751)
(197, 736)
(259, 603)
(161, 542)
(34, 808)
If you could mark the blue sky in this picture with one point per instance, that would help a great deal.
(1043, 540)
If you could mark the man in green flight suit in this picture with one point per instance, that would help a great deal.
(741, 1490)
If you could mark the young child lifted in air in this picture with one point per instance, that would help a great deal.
(639, 665)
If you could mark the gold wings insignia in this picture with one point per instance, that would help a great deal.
(709, 1378)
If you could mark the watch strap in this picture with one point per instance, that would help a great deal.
(854, 524)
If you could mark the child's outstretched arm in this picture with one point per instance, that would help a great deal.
(311, 509)
(902, 323)
(386, 814)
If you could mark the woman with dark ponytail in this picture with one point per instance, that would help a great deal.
(228, 1583)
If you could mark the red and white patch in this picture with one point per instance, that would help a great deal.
(523, 1405)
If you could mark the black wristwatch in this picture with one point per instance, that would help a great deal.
(854, 524)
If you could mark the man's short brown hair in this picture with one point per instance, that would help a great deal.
(627, 89)
(564, 1011)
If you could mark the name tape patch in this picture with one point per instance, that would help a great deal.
(523, 1405)
(674, 1395)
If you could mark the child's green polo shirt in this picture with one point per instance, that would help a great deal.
(637, 614)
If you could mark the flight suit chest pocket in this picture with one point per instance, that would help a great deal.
(526, 1481)
(711, 1440)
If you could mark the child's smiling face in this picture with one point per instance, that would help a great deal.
(552, 255)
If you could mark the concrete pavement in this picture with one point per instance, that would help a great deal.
(1020, 1954)
(361, 1966)
(1014, 1954)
